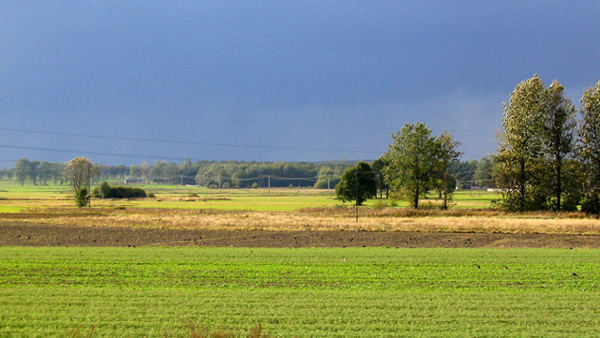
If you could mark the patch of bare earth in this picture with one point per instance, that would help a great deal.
(326, 227)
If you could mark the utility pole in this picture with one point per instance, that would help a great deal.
(356, 204)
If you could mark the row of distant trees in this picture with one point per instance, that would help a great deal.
(231, 174)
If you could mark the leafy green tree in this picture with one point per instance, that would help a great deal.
(45, 172)
(80, 172)
(412, 158)
(559, 146)
(105, 190)
(589, 150)
(33, 171)
(483, 172)
(22, 170)
(520, 153)
(447, 154)
(357, 184)
(135, 171)
(379, 166)
(82, 197)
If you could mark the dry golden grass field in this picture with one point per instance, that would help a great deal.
(279, 211)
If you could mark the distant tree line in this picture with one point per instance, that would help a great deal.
(230, 174)
(236, 174)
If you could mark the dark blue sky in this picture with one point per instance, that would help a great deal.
(132, 81)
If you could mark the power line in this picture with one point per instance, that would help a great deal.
(241, 121)
(203, 119)
(188, 142)
(55, 150)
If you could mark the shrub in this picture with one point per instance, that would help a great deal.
(82, 197)
(106, 191)
(591, 204)
(254, 185)
(380, 205)
(126, 192)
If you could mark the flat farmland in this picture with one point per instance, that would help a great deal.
(16, 198)
(193, 208)
(295, 262)
(310, 292)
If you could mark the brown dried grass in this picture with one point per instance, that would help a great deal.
(334, 218)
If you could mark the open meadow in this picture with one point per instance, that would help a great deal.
(294, 262)
(177, 207)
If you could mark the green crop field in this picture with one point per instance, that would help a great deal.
(15, 198)
(344, 292)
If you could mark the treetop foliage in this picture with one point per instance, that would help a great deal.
(418, 162)
(357, 184)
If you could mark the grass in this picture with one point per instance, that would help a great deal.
(21, 198)
(177, 207)
(351, 292)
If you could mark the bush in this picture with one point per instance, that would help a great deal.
(82, 198)
(126, 192)
(106, 191)
(591, 204)
(380, 205)
(254, 185)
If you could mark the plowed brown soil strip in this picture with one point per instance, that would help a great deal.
(28, 234)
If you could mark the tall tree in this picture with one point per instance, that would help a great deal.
(357, 184)
(80, 172)
(33, 171)
(483, 172)
(22, 170)
(559, 144)
(589, 151)
(379, 166)
(44, 172)
(412, 157)
(447, 154)
(520, 153)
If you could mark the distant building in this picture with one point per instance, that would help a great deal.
(133, 180)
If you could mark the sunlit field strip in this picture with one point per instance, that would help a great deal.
(16, 197)
(300, 292)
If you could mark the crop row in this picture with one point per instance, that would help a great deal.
(153, 292)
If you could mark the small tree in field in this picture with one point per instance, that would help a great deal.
(413, 156)
(357, 184)
(447, 154)
(80, 172)
(82, 198)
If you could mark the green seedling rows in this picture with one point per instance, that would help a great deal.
(334, 292)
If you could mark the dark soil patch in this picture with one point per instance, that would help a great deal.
(27, 234)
